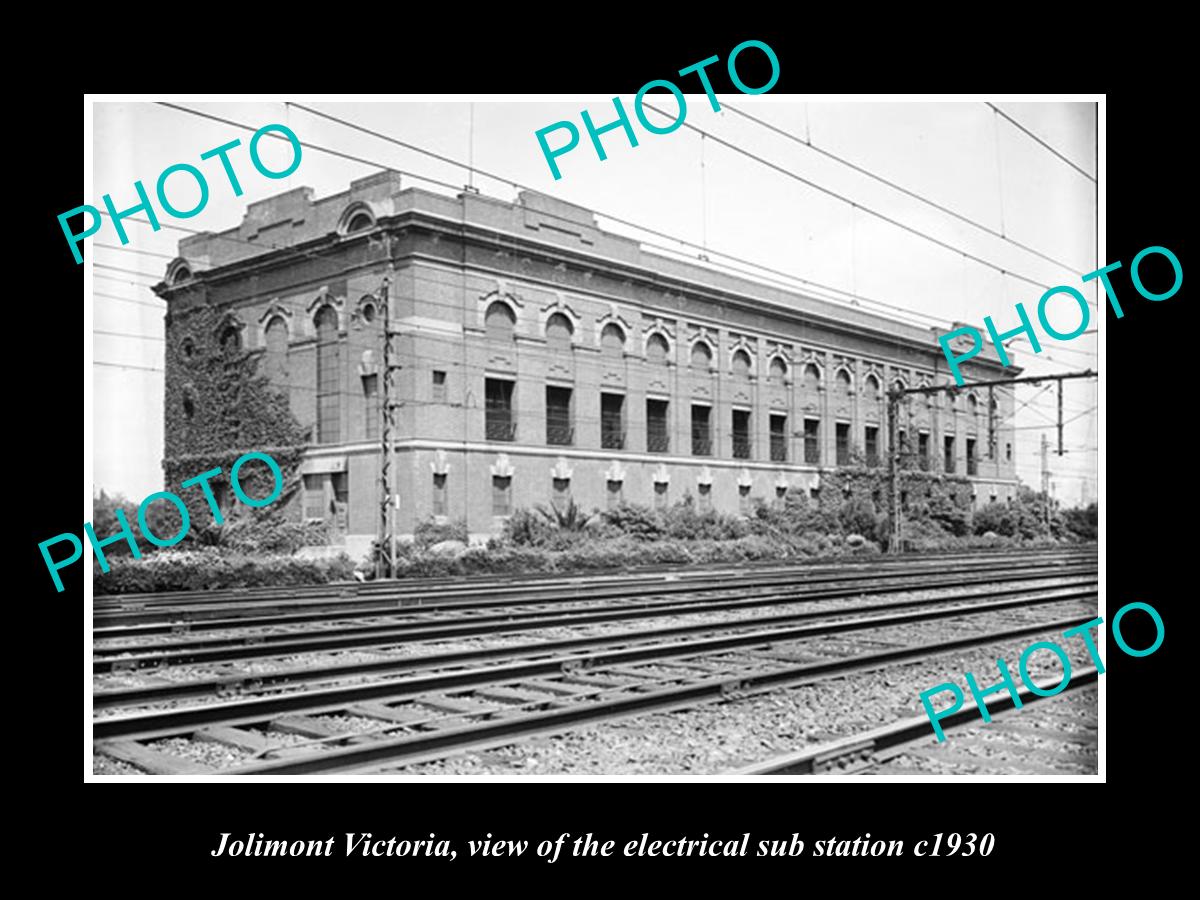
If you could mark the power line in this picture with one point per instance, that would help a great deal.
(127, 300)
(135, 250)
(885, 218)
(1001, 112)
(112, 365)
(127, 271)
(906, 191)
(125, 334)
(681, 241)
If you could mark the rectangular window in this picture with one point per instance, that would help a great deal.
(501, 495)
(612, 421)
(660, 495)
(439, 495)
(923, 450)
(948, 442)
(812, 441)
(498, 411)
(562, 493)
(842, 434)
(558, 416)
(373, 411)
(741, 434)
(972, 462)
(341, 486)
(1008, 452)
(616, 494)
(657, 439)
(439, 386)
(314, 497)
(705, 498)
(701, 430)
(778, 438)
(871, 444)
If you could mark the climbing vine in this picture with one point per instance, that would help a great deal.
(219, 407)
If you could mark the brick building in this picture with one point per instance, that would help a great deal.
(544, 360)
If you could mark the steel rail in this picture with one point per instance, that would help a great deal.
(244, 683)
(143, 607)
(353, 609)
(220, 649)
(413, 749)
(248, 711)
(856, 751)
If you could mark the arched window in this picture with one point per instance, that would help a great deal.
(842, 383)
(741, 364)
(777, 371)
(360, 222)
(500, 322)
(558, 333)
(230, 340)
(657, 349)
(189, 348)
(277, 348)
(328, 405)
(612, 341)
(872, 386)
(812, 377)
(368, 312)
(972, 405)
(701, 356)
(189, 402)
(183, 273)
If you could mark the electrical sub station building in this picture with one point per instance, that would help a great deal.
(542, 360)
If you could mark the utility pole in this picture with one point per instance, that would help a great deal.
(894, 470)
(385, 465)
(1060, 421)
(897, 394)
(1046, 480)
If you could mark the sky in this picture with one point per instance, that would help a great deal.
(963, 156)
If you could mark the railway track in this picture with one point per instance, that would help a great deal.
(1007, 739)
(340, 634)
(927, 609)
(437, 669)
(437, 713)
(164, 612)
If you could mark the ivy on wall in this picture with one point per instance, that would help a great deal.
(218, 407)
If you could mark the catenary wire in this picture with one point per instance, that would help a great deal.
(906, 191)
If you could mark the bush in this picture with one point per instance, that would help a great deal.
(209, 569)
(857, 516)
(1083, 523)
(271, 534)
(638, 522)
(431, 532)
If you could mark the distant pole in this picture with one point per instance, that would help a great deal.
(1046, 480)
(894, 472)
(1060, 421)
(385, 472)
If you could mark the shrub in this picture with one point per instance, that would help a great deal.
(208, 569)
(272, 535)
(430, 532)
(639, 522)
(1083, 523)
(857, 516)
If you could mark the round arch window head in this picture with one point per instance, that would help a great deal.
(368, 312)
(230, 339)
(182, 274)
(357, 217)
